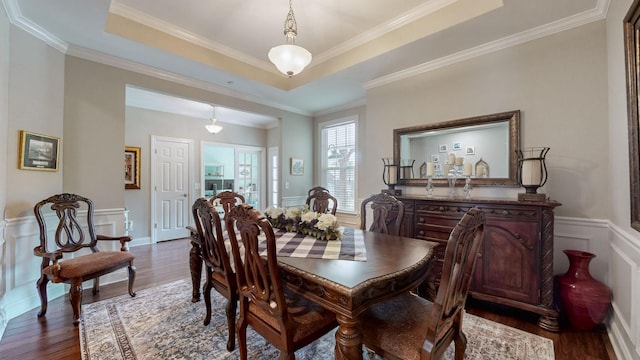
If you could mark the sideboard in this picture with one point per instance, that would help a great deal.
(515, 263)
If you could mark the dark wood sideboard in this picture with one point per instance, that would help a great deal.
(515, 264)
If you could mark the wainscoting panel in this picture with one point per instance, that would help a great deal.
(3, 277)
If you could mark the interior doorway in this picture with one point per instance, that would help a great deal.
(170, 199)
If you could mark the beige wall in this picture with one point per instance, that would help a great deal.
(558, 82)
(95, 121)
(4, 108)
(297, 141)
(36, 98)
(141, 124)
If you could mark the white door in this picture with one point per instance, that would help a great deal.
(171, 189)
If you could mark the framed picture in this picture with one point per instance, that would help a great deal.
(131, 167)
(297, 166)
(38, 152)
(442, 148)
(457, 145)
(470, 150)
(435, 158)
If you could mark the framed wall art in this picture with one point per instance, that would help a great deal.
(38, 151)
(297, 166)
(131, 167)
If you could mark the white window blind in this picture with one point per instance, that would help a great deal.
(339, 163)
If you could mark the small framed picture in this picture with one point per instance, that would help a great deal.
(437, 167)
(38, 151)
(442, 148)
(457, 145)
(297, 166)
(132, 167)
(470, 150)
(435, 158)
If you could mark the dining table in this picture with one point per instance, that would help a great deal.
(392, 265)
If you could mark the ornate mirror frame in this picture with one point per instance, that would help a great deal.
(511, 117)
(632, 51)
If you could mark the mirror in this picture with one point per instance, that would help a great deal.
(483, 147)
(631, 44)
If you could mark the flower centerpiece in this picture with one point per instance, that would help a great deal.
(304, 221)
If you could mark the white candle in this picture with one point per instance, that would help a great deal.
(452, 158)
(393, 174)
(467, 169)
(447, 168)
(479, 170)
(430, 168)
(459, 161)
(531, 172)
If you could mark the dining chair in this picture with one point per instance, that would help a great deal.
(65, 258)
(284, 319)
(228, 199)
(321, 201)
(409, 327)
(387, 214)
(219, 272)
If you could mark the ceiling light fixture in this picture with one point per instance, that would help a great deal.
(290, 58)
(213, 128)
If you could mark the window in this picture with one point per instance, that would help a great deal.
(339, 161)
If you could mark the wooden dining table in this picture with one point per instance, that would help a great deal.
(394, 265)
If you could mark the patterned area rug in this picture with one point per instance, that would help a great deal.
(162, 323)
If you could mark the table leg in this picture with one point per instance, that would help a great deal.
(195, 265)
(348, 339)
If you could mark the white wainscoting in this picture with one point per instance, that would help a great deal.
(22, 268)
(617, 264)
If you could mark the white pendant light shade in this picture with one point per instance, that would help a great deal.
(290, 59)
(213, 127)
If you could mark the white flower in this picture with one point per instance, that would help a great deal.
(291, 213)
(326, 221)
(273, 212)
(309, 216)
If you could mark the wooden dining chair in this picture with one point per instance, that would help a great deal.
(321, 201)
(73, 256)
(410, 327)
(387, 214)
(228, 199)
(219, 273)
(284, 319)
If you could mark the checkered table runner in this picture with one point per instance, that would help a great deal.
(350, 247)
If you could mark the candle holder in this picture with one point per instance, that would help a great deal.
(429, 186)
(390, 175)
(467, 187)
(532, 172)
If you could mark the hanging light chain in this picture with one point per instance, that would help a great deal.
(290, 26)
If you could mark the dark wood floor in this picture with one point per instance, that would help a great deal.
(54, 337)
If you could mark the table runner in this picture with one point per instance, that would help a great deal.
(292, 244)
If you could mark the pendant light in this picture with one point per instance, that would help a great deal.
(213, 127)
(290, 58)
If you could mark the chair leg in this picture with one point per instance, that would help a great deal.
(460, 345)
(75, 296)
(232, 304)
(287, 355)
(132, 278)
(96, 286)
(206, 292)
(41, 285)
(241, 330)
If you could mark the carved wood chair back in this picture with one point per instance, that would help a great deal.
(425, 329)
(387, 214)
(321, 201)
(264, 302)
(228, 199)
(220, 274)
(75, 233)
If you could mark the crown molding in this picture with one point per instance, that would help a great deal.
(180, 33)
(599, 12)
(120, 63)
(408, 17)
(16, 18)
(347, 106)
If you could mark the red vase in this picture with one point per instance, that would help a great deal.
(584, 300)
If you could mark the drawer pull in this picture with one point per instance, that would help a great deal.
(421, 232)
(421, 220)
(441, 208)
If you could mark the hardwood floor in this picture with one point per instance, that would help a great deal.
(54, 337)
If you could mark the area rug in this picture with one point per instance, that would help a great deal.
(163, 323)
